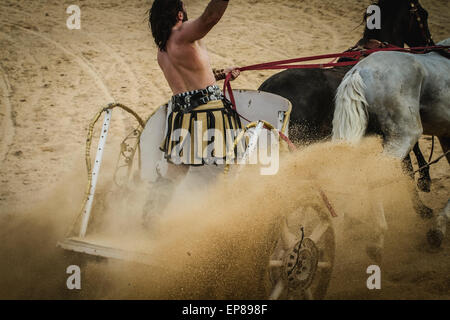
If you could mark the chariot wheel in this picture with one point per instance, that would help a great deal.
(302, 259)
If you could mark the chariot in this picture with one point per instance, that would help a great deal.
(302, 255)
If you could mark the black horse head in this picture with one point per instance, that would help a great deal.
(402, 22)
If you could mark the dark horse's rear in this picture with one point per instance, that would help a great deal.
(311, 92)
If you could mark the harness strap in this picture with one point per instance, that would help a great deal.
(288, 64)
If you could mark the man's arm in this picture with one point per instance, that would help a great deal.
(195, 30)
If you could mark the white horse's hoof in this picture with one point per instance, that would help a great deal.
(424, 211)
(435, 238)
(424, 184)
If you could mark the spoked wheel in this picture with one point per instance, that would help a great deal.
(302, 261)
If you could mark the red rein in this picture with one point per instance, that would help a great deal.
(288, 64)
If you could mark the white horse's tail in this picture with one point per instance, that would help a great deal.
(350, 114)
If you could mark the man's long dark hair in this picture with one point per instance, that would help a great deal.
(162, 17)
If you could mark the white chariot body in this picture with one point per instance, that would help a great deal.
(301, 263)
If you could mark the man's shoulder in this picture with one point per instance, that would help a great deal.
(178, 32)
(177, 41)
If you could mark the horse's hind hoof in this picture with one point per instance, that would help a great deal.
(424, 184)
(375, 253)
(435, 238)
(425, 212)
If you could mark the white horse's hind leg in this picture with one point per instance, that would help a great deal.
(436, 235)
(399, 145)
(402, 135)
(398, 111)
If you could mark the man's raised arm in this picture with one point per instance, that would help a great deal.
(195, 30)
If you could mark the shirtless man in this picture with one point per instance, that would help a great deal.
(186, 66)
(196, 99)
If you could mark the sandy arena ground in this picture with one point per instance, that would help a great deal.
(53, 80)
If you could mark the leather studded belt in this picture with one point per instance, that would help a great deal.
(188, 101)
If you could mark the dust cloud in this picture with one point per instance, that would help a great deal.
(216, 245)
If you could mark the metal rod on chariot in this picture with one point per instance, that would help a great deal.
(94, 175)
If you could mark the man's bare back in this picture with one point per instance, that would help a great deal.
(185, 61)
(186, 66)
(201, 122)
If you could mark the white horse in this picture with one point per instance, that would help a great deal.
(399, 95)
